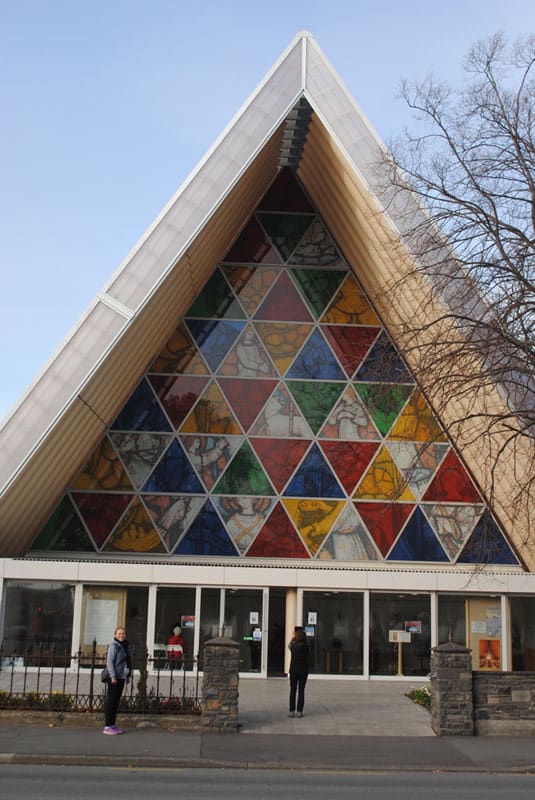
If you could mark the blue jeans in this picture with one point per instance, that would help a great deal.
(297, 686)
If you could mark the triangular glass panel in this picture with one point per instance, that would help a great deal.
(280, 457)
(244, 475)
(316, 361)
(285, 230)
(243, 517)
(281, 417)
(216, 300)
(317, 249)
(315, 399)
(172, 514)
(349, 420)
(285, 194)
(140, 452)
(173, 474)
(384, 521)
(350, 307)
(253, 247)
(246, 397)
(248, 358)
(349, 460)
(251, 284)
(318, 286)
(283, 303)
(383, 480)
(487, 545)
(210, 455)
(452, 524)
(283, 341)
(278, 538)
(180, 355)
(384, 402)
(384, 364)
(452, 483)
(314, 478)
(417, 462)
(313, 519)
(206, 536)
(214, 338)
(101, 512)
(135, 533)
(178, 394)
(211, 414)
(350, 344)
(142, 412)
(348, 540)
(417, 542)
(417, 423)
(64, 531)
(104, 471)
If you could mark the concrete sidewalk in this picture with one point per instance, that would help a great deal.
(349, 726)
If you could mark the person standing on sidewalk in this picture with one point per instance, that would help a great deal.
(119, 666)
(298, 671)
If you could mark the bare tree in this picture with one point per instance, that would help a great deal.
(463, 188)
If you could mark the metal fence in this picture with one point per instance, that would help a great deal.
(42, 678)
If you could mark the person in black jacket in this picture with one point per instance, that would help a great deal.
(298, 671)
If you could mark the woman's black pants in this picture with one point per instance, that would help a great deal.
(297, 687)
(115, 691)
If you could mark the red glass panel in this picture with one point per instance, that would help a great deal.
(283, 303)
(246, 397)
(285, 194)
(280, 457)
(253, 247)
(350, 344)
(278, 539)
(101, 512)
(384, 521)
(452, 483)
(349, 460)
(178, 394)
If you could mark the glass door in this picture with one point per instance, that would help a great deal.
(243, 623)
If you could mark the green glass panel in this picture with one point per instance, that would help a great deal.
(315, 399)
(64, 531)
(285, 230)
(244, 475)
(216, 301)
(318, 286)
(383, 401)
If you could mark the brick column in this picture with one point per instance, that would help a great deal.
(220, 686)
(451, 690)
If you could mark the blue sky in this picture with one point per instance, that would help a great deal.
(107, 105)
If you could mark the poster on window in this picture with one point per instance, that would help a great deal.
(489, 654)
(100, 620)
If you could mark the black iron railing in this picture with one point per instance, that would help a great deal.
(42, 678)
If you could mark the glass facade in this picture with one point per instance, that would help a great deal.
(390, 615)
(334, 625)
(278, 421)
(523, 633)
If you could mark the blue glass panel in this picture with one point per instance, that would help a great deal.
(174, 473)
(316, 361)
(142, 412)
(384, 364)
(487, 545)
(314, 478)
(214, 338)
(417, 542)
(206, 536)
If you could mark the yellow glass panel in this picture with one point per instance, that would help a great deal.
(211, 414)
(104, 470)
(383, 480)
(136, 533)
(283, 341)
(417, 423)
(350, 306)
(313, 518)
(180, 355)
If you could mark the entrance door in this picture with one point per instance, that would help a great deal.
(243, 623)
(276, 643)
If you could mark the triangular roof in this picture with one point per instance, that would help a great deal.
(300, 115)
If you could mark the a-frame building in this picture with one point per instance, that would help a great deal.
(232, 438)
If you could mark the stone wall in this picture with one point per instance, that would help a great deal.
(504, 703)
(220, 686)
(451, 690)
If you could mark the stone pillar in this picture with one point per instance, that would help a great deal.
(451, 690)
(220, 686)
